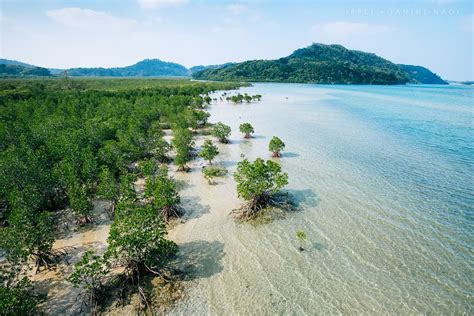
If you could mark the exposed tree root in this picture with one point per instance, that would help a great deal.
(48, 260)
(183, 169)
(171, 212)
(255, 206)
(83, 220)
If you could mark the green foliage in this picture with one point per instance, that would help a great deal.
(148, 167)
(29, 234)
(247, 129)
(207, 99)
(221, 131)
(80, 202)
(64, 140)
(301, 236)
(208, 151)
(162, 190)
(144, 68)
(183, 144)
(257, 182)
(276, 145)
(239, 98)
(422, 75)
(259, 178)
(158, 145)
(21, 71)
(16, 297)
(196, 118)
(316, 63)
(107, 185)
(90, 271)
(137, 237)
(127, 190)
(211, 172)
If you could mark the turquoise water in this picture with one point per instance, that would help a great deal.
(384, 179)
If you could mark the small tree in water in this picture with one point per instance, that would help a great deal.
(301, 236)
(256, 183)
(162, 190)
(247, 129)
(211, 172)
(208, 151)
(183, 144)
(222, 132)
(276, 145)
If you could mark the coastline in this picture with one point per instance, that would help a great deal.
(362, 207)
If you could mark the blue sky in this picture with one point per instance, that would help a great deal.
(437, 34)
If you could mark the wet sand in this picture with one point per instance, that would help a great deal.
(200, 246)
(62, 297)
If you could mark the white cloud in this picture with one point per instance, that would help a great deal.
(90, 19)
(236, 8)
(155, 4)
(343, 28)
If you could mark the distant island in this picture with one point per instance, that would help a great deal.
(325, 64)
(317, 63)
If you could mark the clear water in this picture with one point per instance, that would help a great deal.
(384, 180)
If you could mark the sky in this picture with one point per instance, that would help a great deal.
(437, 34)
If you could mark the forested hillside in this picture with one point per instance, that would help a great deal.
(144, 68)
(419, 74)
(13, 70)
(319, 63)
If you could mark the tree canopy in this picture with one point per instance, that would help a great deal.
(317, 63)
(276, 145)
(257, 181)
(221, 132)
(162, 190)
(208, 151)
(247, 129)
(64, 142)
(183, 144)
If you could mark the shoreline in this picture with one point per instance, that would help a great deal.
(203, 208)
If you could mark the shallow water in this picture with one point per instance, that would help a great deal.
(383, 177)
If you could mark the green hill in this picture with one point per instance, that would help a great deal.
(15, 70)
(419, 74)
(144, 68)
(15, 63)
(317, 63)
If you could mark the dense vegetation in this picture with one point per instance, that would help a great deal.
(144, 68)
(22, 71)
(419, 74)
(65, 142)
(317, 63)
